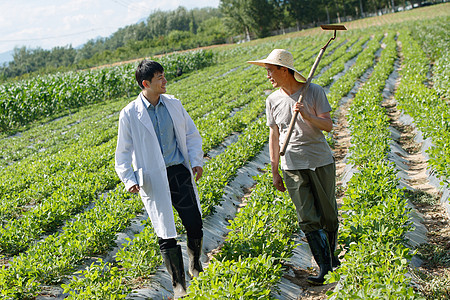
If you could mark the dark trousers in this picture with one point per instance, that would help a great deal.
(313, 193)
(185, 203)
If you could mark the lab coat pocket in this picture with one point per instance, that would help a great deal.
(154, 184)
(145, 183)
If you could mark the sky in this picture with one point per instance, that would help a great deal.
(50, 23)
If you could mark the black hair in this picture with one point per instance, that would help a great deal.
(146, 70)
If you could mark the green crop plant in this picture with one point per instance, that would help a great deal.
(245, 278)
(61, 206)
(421, 103)
(98, 281)
(375, 217)
(29, 100)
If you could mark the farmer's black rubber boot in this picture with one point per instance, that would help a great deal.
(174, 263)
(194, 250)
(318, 242)
(332, 239)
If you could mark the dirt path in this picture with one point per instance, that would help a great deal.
(434, 269)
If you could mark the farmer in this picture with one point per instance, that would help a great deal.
(308, 165)
(159, 150)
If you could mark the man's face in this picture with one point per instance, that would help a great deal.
(275, 75)
(158, 83)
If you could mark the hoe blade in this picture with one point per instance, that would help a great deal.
(333, 27)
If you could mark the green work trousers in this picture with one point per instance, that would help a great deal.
(313, 194)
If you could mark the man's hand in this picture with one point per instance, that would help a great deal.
(134, 189)
(278, 182)
(198, 171)
(299, 107)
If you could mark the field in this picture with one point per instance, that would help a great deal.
(69, 230)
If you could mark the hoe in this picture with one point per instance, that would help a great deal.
(308, 81)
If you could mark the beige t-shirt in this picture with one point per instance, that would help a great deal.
(307, 148)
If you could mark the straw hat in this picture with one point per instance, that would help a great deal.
(280, 57)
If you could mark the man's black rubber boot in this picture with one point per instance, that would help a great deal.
(174, 263)
(194, 250)
(318, 243)
(332, 239)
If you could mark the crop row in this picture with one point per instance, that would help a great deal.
(90, 233)
(218, 174)
(227, 160)
(346, 82)
(339, 58)
(259, 231)
(43, 96)
(39, 176)
(23, 275)
(433, 38)
(248, 145)
(56, 135)
(430, 112)
(48, 183)
(308, 57)
(375, 216)
(371, 269)
(50, 180)
(77, 128)
(249, 264)
(67, 187)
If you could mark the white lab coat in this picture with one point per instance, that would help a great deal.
(139, 159)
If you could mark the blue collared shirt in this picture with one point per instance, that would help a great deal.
(165, 132)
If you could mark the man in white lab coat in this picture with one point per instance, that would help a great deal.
(159, 150)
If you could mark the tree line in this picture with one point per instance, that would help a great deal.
(161, 32)
(180, 29)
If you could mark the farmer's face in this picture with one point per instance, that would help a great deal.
(275, 74)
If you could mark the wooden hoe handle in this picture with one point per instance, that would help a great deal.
(308, 81)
